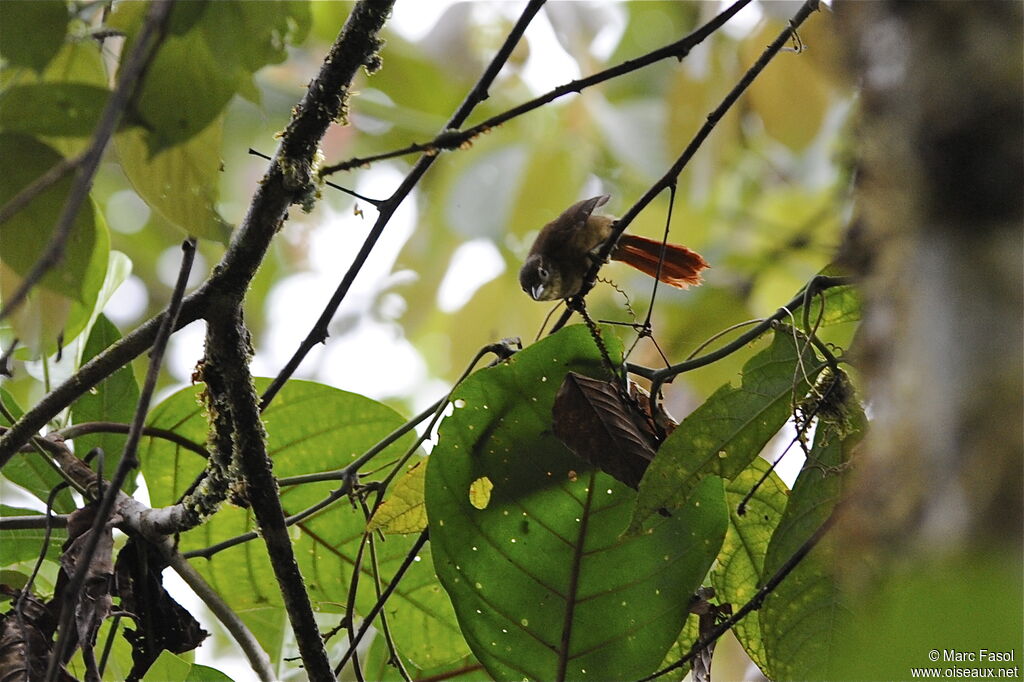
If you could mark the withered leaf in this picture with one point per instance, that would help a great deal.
(92, 603)
(162, 623)
(25, 642)
(592, 420)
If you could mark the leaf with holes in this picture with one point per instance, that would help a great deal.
(802, 618)
(543, 583)
(738, 569)
(311, 428)
(727, 432)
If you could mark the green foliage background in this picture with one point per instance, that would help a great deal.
(763, 201)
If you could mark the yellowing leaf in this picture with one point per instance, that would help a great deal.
(180, 183)
(403, 511)
(790, 96)
(480, 492)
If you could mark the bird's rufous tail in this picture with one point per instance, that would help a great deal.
(681, 266)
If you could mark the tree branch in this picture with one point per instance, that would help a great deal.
(127, 463)
(387, 208)
(368, 620)
(86, 428)
(757, 600)
(451, 138)
(660, 376)
(672, 174)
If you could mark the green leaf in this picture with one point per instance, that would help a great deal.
(204, 673)
(31, 33)
(543, 583)
(311, 428)
(26, 234)
(842, 304)
(30, 470)
(55, 109)
(216, 44)
(801, 618)
(168, 668)
(113, 400)
(25, 545)
(727, 432)
(737, 572)
(681, 647)
(181, 183)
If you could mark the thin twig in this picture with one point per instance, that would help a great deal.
(758, 598)
(86, 428)
(394, 656)
(672, 174)
(368, 620)
(132, 69)
(127, 463)
(660, 376)
(388, 207)
(346, 190)
(254, 653)
(38, 186)
(451, 138)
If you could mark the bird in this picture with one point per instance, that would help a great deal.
(566, 248)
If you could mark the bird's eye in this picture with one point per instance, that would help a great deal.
(543, 272)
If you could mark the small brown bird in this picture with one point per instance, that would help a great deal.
(566, 247)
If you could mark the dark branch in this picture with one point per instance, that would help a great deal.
(672, 174)
(124, 467)
(368, 620)
(660, 376)
(451, 138)
(757, 600)
(388, 207)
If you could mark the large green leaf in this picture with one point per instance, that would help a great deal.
(216, 44)
(26, 234)
(311, 428)
(113, 400)
(544, 584)
(802, 618)
(30, 470)
(31, 33)
(55, 109)
(738, 569)
(727, 432)
(180, 183)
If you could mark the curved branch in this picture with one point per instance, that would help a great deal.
(660, 376)
(86, 428)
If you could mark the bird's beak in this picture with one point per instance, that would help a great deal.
(537, 291)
